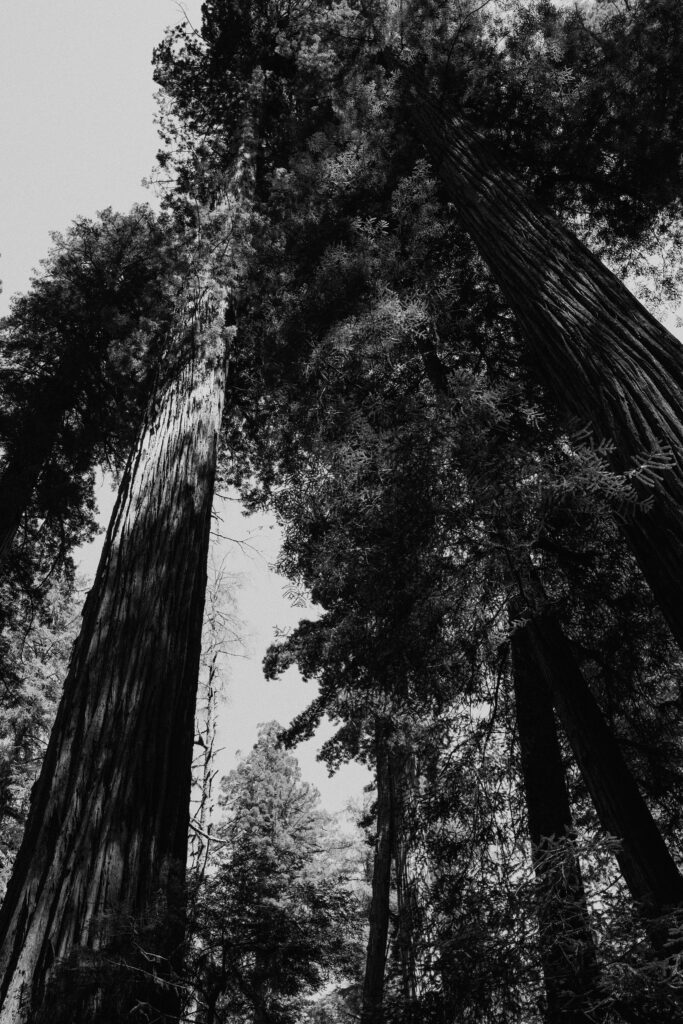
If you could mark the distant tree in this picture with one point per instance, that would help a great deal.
(275, 918)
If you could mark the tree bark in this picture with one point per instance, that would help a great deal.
(375, 964)
(649, 871)
(648, 868)
(567, 948)
(605, 360)
(107, 830)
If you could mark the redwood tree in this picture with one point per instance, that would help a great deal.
(567, 949)
(647, 866)
(378, 935)
(107, 832)
(604, 359)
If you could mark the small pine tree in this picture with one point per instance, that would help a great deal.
(276, 918)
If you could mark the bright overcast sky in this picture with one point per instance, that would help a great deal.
(76, 116)
(77, 135)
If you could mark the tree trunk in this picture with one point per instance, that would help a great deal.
(606, 361)
(402, 765)
(259, 989)
(648, 869)
(209, 1014)
(373, 982)
(567, 949)
(106, 836)
(647, 866)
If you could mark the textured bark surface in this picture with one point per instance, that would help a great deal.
(567, 949)
(647, 866)
(603, 357)
(375, 964)
(107, 829)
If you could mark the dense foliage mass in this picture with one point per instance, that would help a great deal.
(498, 629)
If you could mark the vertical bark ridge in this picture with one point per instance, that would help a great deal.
(107, 834)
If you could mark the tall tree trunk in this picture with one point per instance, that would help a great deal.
(375, 964)
(604, 358)
(567, 949)
(647, 866)
(106, 836)
(402, 766)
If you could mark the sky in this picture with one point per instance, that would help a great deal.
(77, 135)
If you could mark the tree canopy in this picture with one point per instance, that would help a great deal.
(405, 228)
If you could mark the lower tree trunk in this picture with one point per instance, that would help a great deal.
(567, 949)
(402, 765)
(373, 982)
(604, 358)
(648, 868)
(105, 843)
(259, 990)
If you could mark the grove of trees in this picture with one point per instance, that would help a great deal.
(392, 296)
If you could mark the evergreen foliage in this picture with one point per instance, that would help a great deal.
(82, 347)
(382, 403)
(38, 632)
(277, 916)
